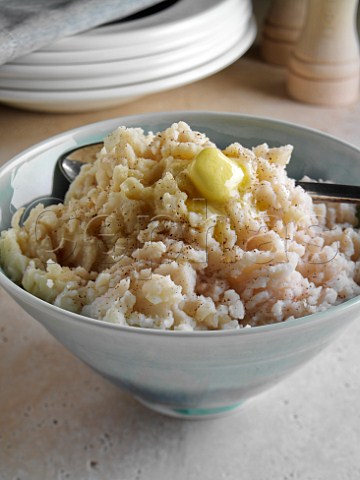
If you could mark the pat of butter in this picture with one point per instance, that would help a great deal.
(215, 176)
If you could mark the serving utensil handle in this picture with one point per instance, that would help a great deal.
(331, 192)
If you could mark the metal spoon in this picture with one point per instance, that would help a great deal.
(331, 192)
(71, 162)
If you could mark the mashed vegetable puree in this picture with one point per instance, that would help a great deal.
(167, 231)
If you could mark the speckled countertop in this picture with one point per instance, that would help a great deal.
(59, 420)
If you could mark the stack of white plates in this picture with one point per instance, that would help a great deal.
(183, 42)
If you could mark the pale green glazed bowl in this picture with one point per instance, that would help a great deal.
(188, 374)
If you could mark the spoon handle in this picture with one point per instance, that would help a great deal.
(331, 192)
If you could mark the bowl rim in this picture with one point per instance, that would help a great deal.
(10, 286)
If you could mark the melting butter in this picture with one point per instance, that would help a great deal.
(215, 176)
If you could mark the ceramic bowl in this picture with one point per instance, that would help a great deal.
(187, 374)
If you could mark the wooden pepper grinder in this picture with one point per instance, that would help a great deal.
(281, 30)
(324, 67)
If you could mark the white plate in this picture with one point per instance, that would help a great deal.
(178, 61)
(87, 100)
(95, 68)
(182, 17)
(103, 69)
(109, 54)
(145, 45)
